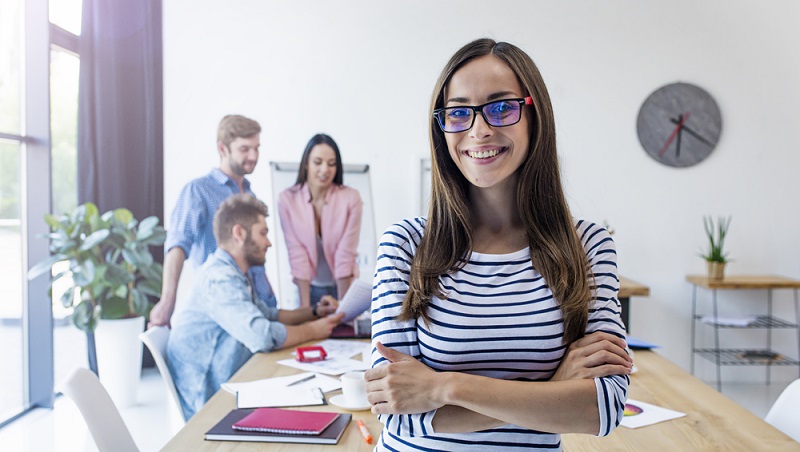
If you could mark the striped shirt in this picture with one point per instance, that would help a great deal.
(191, 224)
(499, 320)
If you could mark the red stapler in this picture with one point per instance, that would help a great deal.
(311, 354)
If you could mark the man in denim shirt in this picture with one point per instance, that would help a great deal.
(190, 235)
(225, 322)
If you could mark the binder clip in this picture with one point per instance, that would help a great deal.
(311, 354)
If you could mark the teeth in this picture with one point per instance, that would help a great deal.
(483, 154)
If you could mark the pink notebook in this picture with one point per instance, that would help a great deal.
(293, 422)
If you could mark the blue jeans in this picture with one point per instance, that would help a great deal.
(318, 291)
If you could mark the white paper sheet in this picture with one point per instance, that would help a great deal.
(276, 392)
(639, 414)
(341, 348)
(333, 366)
(357, 300)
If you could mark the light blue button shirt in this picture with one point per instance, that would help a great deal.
(192, 229)
(218, 331)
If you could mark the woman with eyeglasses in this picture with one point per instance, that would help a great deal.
(321, 222)
(495, 322)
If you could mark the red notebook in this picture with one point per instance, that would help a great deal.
(292, 422)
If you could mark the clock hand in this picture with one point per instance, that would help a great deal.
(678, 143)
(692, 133)
(673, 134)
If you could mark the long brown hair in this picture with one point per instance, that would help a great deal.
(556, 251)
(320, 138)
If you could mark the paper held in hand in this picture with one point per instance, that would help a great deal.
(357, 300)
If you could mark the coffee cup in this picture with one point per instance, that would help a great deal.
(354, 389)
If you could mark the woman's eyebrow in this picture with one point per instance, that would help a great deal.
(490, 97)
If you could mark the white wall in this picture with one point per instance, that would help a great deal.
(363, 70)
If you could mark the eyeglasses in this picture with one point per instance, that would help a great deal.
(500, 113)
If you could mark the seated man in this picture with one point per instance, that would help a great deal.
(225, 323)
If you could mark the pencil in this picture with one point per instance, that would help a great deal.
(302, 380)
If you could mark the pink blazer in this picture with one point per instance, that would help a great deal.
(340, 226)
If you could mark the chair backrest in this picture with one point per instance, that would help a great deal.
(99, 412)
(156, 339)
(785, 412)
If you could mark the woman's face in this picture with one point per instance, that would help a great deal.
(321, 166)
(486, 155)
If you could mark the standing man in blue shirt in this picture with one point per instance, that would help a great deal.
(190, 235)
(225, 323)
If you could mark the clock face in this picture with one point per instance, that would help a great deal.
(679, 125)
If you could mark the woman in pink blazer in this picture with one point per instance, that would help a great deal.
(321, 221)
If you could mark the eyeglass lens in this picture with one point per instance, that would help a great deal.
(497, 114)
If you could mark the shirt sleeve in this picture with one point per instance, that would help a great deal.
(395, 253)
(231, 306)
(263, 288)
(604, 315)
(187, 220)
(298, 256)
(347, 248)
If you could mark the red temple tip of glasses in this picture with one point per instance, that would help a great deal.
(529, 100)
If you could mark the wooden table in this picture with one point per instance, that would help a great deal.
(263, 365)
(730, 356)
(713, 421)
(629, 288)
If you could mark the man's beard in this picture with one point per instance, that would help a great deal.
(252, 253)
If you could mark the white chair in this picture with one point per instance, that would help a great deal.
(99, 412)
(785, 412)
(156, 341)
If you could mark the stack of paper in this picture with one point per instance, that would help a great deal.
(281, 392)
(728, 321)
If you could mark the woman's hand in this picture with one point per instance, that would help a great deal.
(327, 305)
(403, 386)
(595, 355)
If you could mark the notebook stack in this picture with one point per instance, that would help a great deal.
(278, 425)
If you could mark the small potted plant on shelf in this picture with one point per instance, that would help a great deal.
(716, 257)
(112, 273)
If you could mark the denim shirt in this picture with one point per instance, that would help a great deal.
(191, 224)
(218, 331)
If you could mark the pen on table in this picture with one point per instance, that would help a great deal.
(364, 432)
(302, 380)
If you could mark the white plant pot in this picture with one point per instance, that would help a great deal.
(119, 358)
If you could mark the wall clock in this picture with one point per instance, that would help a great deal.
(679, 125)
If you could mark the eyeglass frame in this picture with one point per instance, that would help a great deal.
(479, 108)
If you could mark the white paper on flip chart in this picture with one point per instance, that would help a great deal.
(644, 414)
(357, 300)
(276, 392)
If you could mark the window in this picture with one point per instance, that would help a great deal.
(30, 49)
(11, 353)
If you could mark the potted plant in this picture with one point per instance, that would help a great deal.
(716, 257)
(112, 272)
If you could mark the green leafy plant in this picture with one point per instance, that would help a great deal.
(716, 238)
(110, 263)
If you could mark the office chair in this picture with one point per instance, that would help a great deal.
(99, 412)
(785, 414)
(156, 341)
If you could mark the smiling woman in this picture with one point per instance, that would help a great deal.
(492, 288)
(321, 221)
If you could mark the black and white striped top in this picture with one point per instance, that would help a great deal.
(499, 320)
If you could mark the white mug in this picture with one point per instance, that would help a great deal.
(354, 388)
